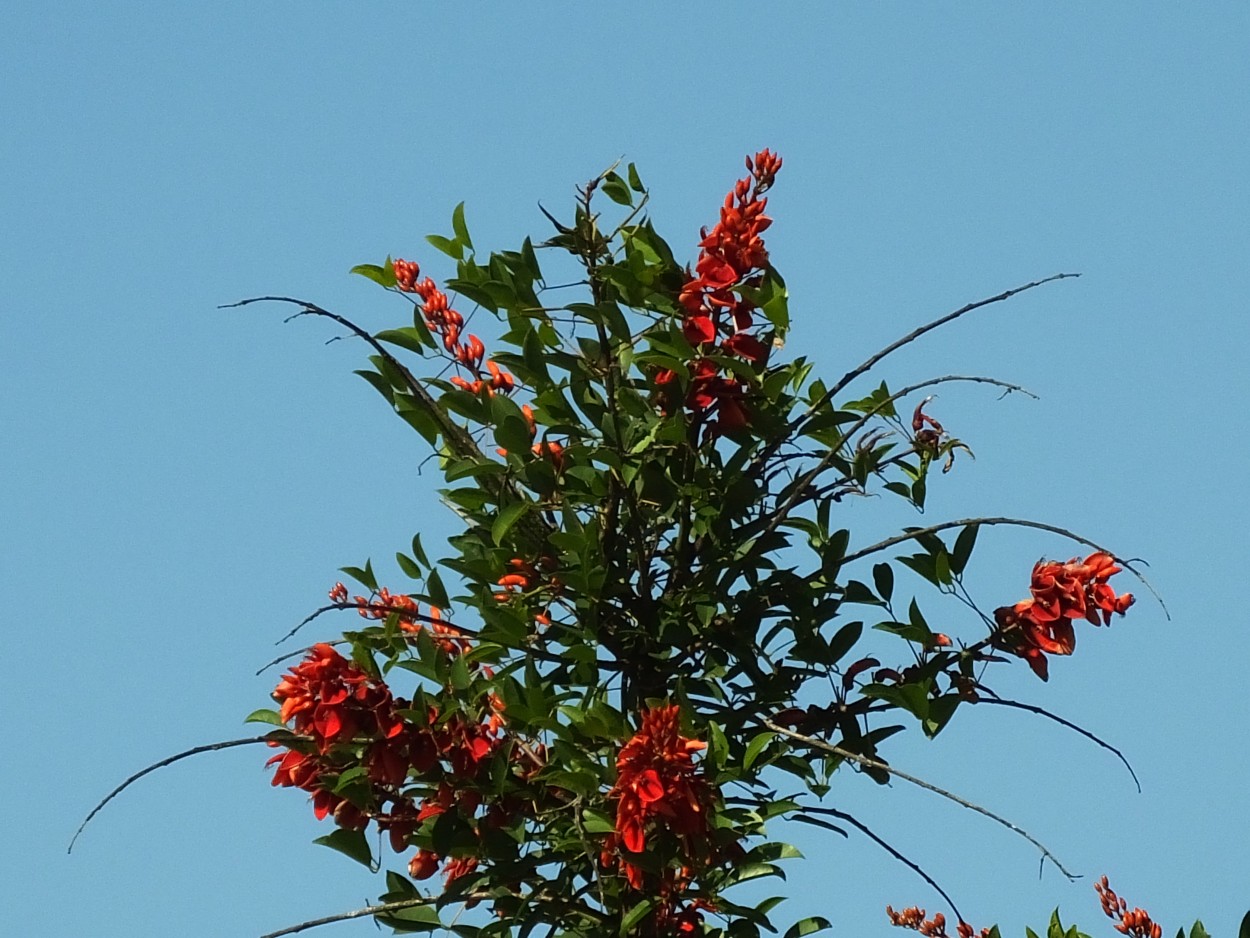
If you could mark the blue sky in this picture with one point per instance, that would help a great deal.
(180, 483)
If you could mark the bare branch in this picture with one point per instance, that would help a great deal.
(1015, 522)
(912, 336)
(928, 786)
(993, 698)
(169, 760)
(915, 867)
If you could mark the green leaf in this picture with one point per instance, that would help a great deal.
(755, 747)
(418, 552)
(883, 577)
(363, 576)
(963, 550)
(1198, 931)
(1244, 931)
(447, 246)
(636, 915)
(409, 337)
(381, 275)
(615, 189)
(349, 843)
(417, 918)
(807, 926)
(264, 716)
(635, 182)
(509, 516)
(435, 591)
(460, 228)
(596, 823)
(409, 566)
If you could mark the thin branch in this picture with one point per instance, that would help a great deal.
(169, 760)
(403, 612)
(912, 336)
(458, 440)
(782, 511)
(915, 867)
(355, 913)
(928, 786)
(1040, 711)
(1015, 522)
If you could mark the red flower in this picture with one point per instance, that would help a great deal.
(729, 254)
(657, 778)
(1060, 594)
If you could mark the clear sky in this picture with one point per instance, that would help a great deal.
(179, 483)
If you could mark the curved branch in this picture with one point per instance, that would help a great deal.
(928, 786)
(1041, 711)
(459, 441)
(355, 913)
(169, 760)
(915, 867)
(912, 336)
(914, 533)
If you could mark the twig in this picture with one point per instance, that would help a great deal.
(1041, 711)
(169, 760)
(782, 511)
(914, 533)
(928, 786)
(912, 336)
(355, 913)
(915, 867)
(402, 611)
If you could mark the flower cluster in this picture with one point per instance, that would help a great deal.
(448, 324)
(415, 768)
(1060, 593)
(914, 918)
(1136, 922)
(716, 315)
(657, 779)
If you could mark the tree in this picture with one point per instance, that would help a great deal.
(654, 620)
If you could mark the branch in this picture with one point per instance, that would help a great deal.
(356, 913)
(1016, 522)
(928, 786)
(399, 610)
(169, 760)
(912, 336)
(1040, 711)
(915, 867)
(459, 442)
(799, 487)
(458, 439)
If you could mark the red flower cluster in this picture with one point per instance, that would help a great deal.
(717, 317)
(1137, 922)
(935, 927)
(1060, 594)
(350, 719)
(657, 778)
(445, 322)
(331, 700)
